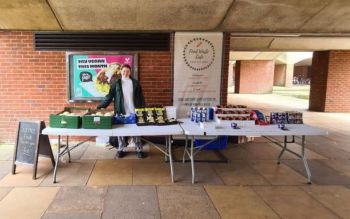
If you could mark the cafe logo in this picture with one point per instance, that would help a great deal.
(199, 54)
(85, 76)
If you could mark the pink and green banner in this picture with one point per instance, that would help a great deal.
(90, 76)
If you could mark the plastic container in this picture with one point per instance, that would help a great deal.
(68, 121)
(220, 143)
(97, 122)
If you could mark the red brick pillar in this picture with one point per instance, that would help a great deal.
(254, 77)
(225, 66)
(283, 75)
(279, 78)
(330, 81)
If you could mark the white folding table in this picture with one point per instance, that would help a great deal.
(118, 130)
(214, 129)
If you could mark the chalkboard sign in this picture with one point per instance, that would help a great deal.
(30, 143)
(27, 141)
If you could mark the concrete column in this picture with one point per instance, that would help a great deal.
(289, 75)
(254, 77)
(231, 73)
(330, 80)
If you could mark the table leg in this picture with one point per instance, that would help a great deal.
(170, 158)
(57, 160)
(304, 160)
(68, 151)
(283, 149)
(166, 157)
(185, 150)
(192, 159)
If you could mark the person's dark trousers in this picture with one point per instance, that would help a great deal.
(114, 141)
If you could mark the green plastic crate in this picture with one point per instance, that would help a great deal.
(97, 122)
(65, 121)
(62, 121)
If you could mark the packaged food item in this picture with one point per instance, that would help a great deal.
(140, 116)
(289, 117)
(150, 116)
(160, 116)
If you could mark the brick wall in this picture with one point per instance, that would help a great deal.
(330, 79)
(338, 82)
(254, 77)
(303, 71)
(319, 72)
(33, 83)
(279, 78)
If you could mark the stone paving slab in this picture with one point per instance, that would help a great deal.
(264, 151)
(29, 202)
(99, 153)
(6, 152)
(76, 173)
(24, 174)
(151, 173)
(239, 173)
(321, 173)
(78, 199)
(335, 198)
(237, 152)
(4, 191)
(292, 202)
(278, 174)
(72, 215)
(5, 168)
(327, 150)
(185, 202)
(239, 202)
(111, 172)
(131, 202)
(342, 166)
(205, 174)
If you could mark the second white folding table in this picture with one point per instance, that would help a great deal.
(214, 129)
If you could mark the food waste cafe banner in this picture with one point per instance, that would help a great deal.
(197, 70)
(91, 75)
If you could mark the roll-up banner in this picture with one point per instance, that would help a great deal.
(197, 70)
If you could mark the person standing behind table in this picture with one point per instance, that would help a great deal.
(127, 95)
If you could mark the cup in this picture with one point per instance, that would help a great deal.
(281, 126)
(234, 125)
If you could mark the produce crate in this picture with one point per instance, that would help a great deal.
(93, 121)
(67, 121)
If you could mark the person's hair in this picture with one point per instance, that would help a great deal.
(126, 66)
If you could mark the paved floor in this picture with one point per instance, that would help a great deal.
(251, 185)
